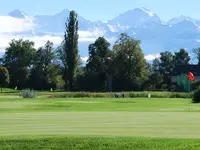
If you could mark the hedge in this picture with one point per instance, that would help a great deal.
(126, 94)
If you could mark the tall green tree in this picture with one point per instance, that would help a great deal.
(18, 58)
(98, 64)
(129, 64)
(4, 77)
(182, 57)
(71, 48)
(98, 55)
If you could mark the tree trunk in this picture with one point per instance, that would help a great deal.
(70, 82)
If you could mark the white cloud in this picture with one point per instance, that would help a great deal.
(10, 28)
(97, 32)
(84, 59)
(10, 24)
(38, 40)
(198, 41)
(151, 57)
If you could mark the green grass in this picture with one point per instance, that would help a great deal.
(98, 123)
(97, 105)
(98, 143)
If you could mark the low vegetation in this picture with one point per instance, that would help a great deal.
(126, 94)
(196, 96)
(27, 93)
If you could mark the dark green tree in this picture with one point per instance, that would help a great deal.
(155, 81)
(40, 71)
(155, 78)
(166, 67)
(98, 55)
(182, 57)
(130, 69)
(166, 62)
(71, 48)
(44, 56)
(18, 58)
(4, 77)
(98, 63)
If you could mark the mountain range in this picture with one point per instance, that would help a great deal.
(140, 23)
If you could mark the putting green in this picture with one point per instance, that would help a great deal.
(147, 124)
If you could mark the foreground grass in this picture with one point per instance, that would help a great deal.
(98, 143)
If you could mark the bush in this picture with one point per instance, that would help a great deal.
(81, 95)
(126, 94)
(196, 95)
(27, 93)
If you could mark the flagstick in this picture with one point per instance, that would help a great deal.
(189, 92)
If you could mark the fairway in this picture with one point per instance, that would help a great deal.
(169, 118)
(148, 124)
(98, 117)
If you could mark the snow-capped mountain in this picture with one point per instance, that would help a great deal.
(181, 18)
(140, 23)
(135, 17)
(17, 13)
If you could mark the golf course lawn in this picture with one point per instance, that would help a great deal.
(97, 123)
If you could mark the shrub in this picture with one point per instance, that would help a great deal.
(27, 93)
(196, 95)
(81, 95)
(126, 94)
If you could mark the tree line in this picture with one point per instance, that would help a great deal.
(122, 68)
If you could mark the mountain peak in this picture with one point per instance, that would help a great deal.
(149, 12)
(135, 17)
(17, 13)
(186, 24)
(179, 19)
(64, 11)
(143, 10)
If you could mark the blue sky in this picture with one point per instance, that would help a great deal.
(104, 9)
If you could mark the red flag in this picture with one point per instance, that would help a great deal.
(191, 76)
